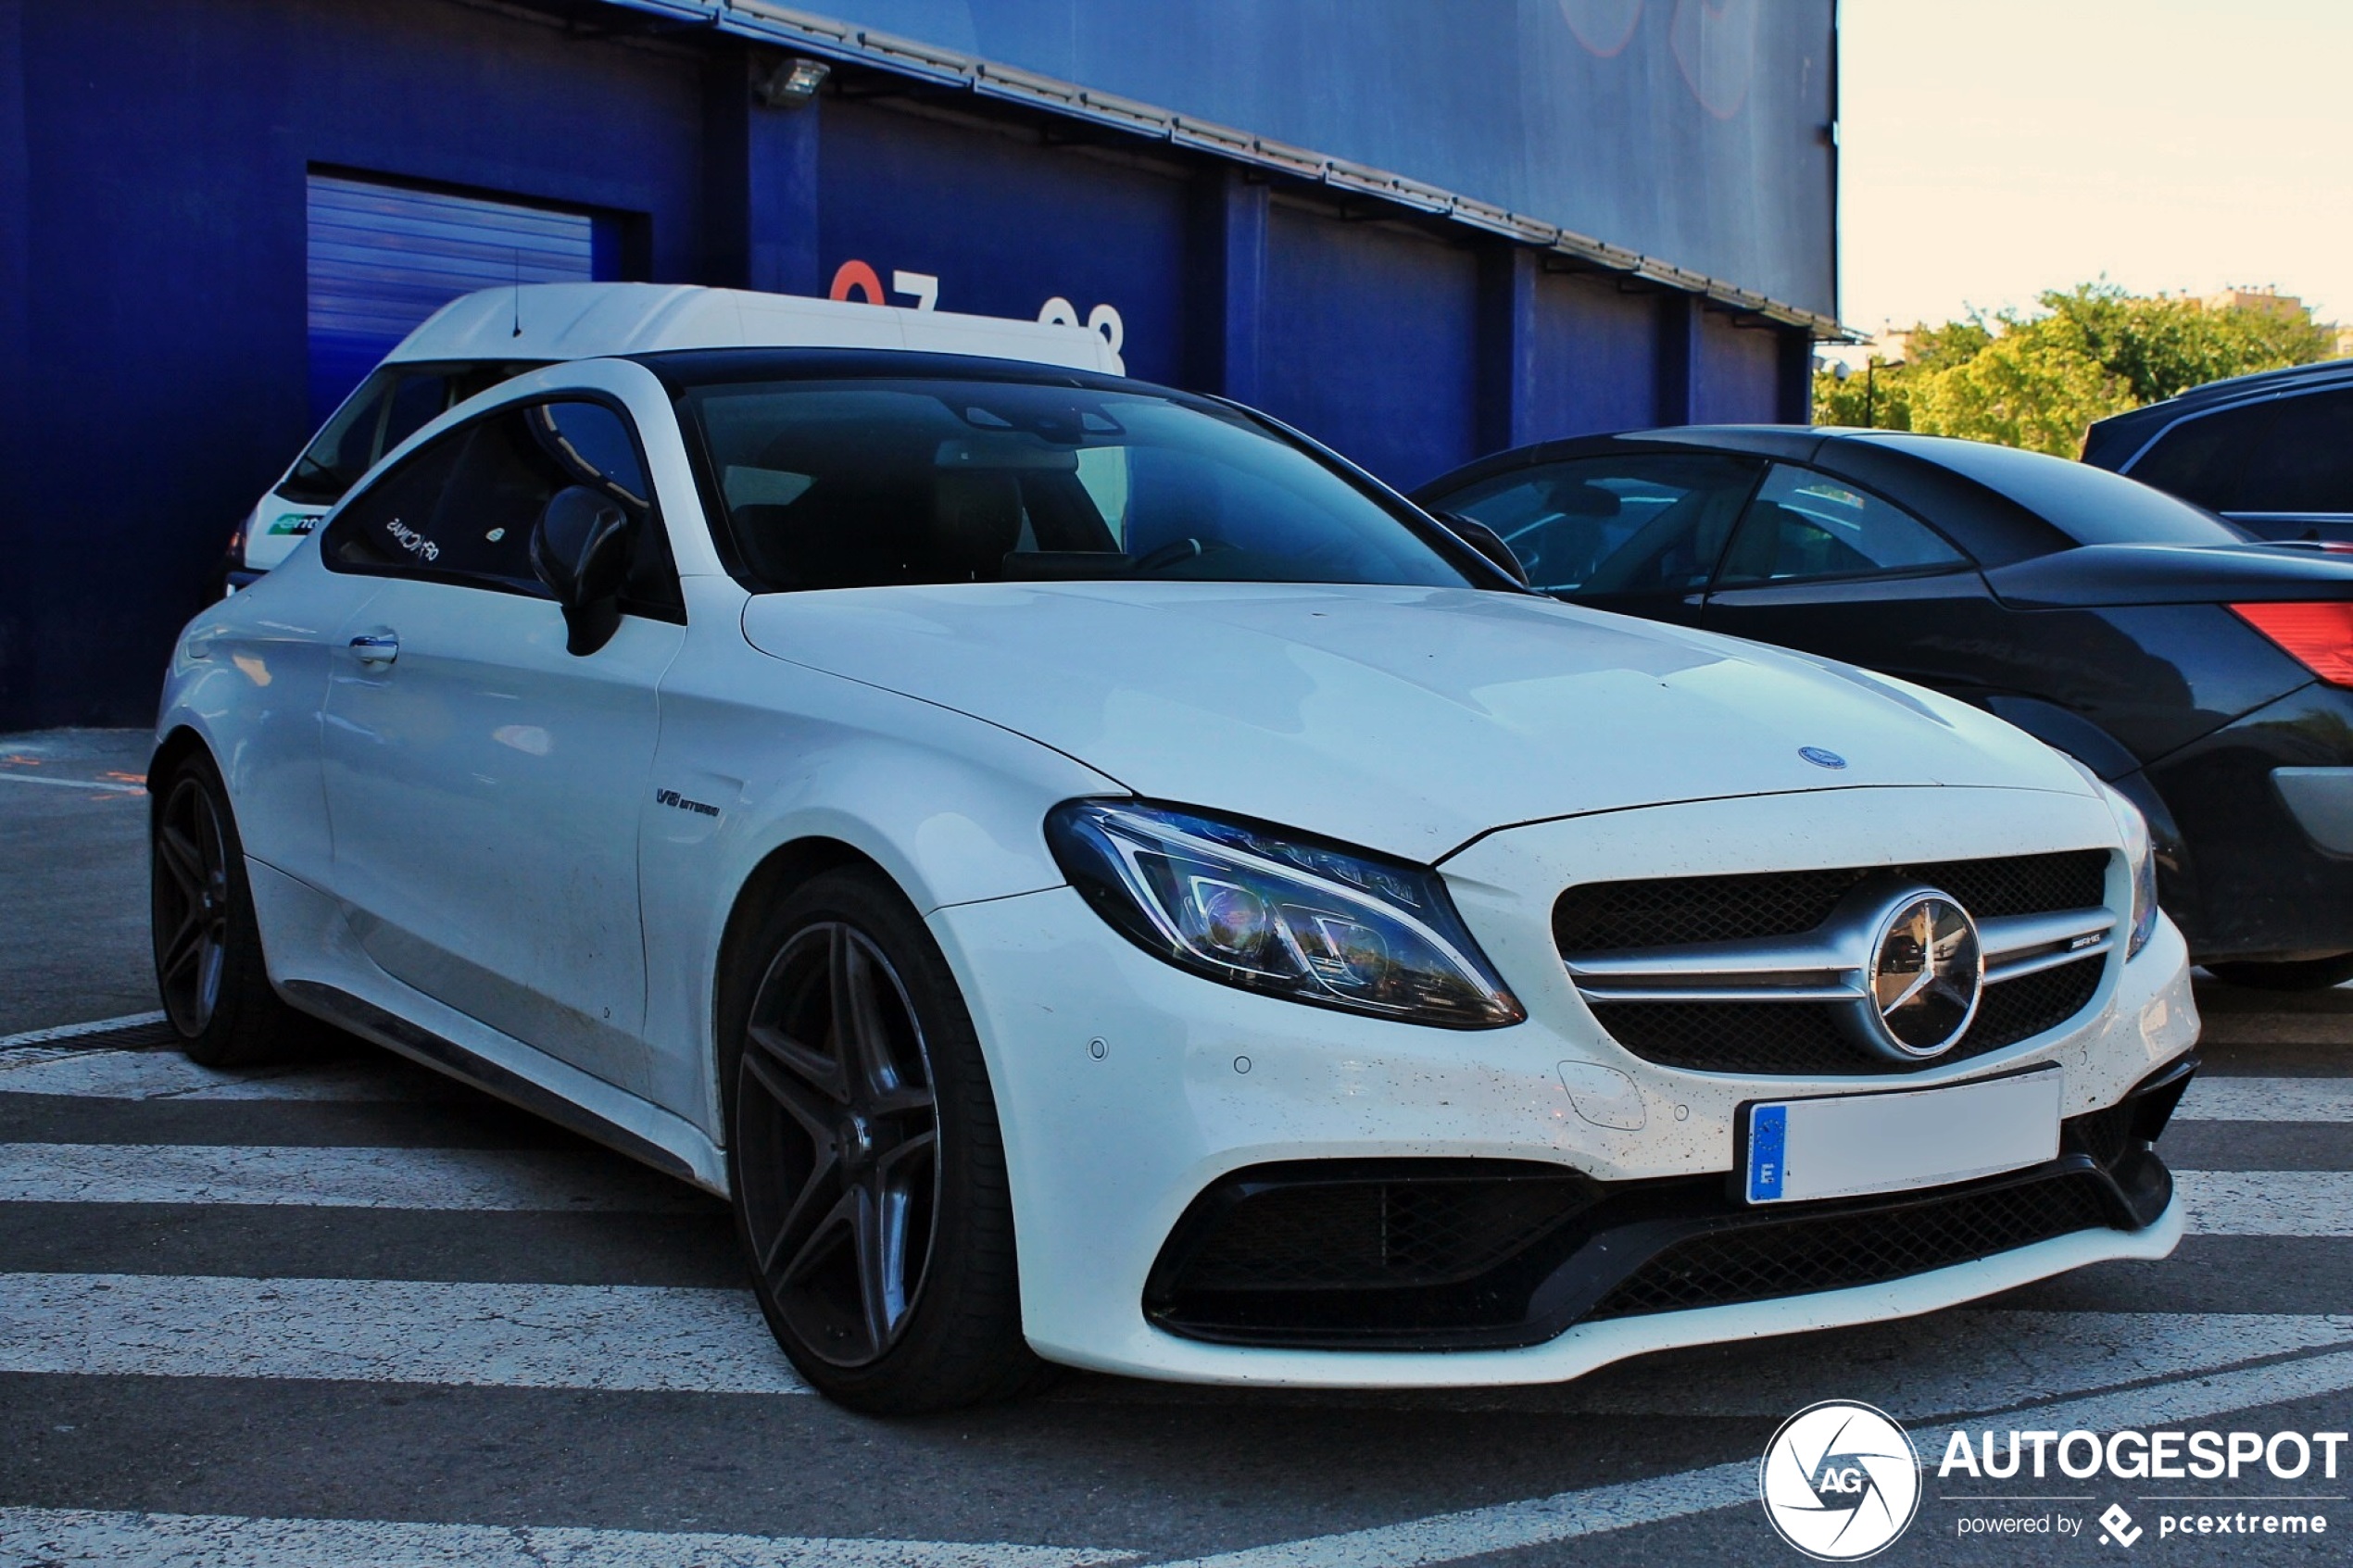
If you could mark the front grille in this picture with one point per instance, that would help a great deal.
(1425, 1230)
(1807, 1038)
(1606, 917)
(1833, 1251)
(1804, 1039)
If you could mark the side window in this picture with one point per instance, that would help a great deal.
(462, 509)
(2201, 459)
(2306, 461)
(1805, 525)
(1620, 524)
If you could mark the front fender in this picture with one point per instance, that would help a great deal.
(758, 754)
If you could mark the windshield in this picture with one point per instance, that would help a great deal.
(866, 483)
(2089, 505)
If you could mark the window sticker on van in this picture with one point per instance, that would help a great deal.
(295, 522)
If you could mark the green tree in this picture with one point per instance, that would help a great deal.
(2038, 380)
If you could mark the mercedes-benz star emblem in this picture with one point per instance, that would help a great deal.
(1926, 975)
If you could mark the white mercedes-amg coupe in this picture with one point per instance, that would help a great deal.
(1098, 879)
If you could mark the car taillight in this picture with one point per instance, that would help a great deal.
(237, 543)
(2319, 637)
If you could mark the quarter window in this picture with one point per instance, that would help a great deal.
(1627, 524)
(1805, 525)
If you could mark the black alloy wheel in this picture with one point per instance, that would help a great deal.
(867, 1165)
(835, 1051)
(191, 914)
(209, 971)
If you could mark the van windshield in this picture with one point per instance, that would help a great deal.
(866, 483)
(391, 404)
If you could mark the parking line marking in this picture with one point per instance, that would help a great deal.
(185, 1540)
(2307, 1203)
(1449, 1538)
(588, 1336)
(75, 1030)
(165, 1075)
(2268, 1099)
(338, 1178)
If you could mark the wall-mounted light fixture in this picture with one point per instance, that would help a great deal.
(791, 84)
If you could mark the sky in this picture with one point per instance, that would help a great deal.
(1991, 149)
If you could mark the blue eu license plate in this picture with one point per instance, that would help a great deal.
(1842, 1145)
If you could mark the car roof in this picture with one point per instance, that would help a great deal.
(556, 321)
(2115, 442)
(1916, 471)
(711, 367)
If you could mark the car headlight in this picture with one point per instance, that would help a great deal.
(1307, 921)
(2141, 858)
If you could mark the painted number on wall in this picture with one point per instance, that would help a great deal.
(857, 280)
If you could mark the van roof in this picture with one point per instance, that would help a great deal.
(553, 321)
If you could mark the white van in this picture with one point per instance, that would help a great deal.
(478, 340)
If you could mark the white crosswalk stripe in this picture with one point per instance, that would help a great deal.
(2109, 1368)
(1570, 1516)
(165, 1075)
(2265, 1099)
(182, 1540)
(77, 1031)
(713, 1341)
(2268, 1202)
(337, 1178)
(611, 1336)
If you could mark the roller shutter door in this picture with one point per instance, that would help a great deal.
(383, 257)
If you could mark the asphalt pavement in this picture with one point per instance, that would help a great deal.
(342, 1311)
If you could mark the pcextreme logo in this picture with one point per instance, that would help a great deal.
(1840, 1481)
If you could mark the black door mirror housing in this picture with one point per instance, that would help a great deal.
(580, 548)
(1488, 543)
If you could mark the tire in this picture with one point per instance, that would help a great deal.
(209, 972)
(866, 1165)
(2297, 974)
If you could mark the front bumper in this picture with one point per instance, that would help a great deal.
(1127, 1088)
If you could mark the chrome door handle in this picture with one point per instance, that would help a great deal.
(376, 650)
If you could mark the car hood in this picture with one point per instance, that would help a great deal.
(1407, 719)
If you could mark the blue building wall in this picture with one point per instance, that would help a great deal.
(153, 350)
(1694, 130)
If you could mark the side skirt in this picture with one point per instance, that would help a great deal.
(369, 1022)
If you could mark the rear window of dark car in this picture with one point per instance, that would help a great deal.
(2089, 505)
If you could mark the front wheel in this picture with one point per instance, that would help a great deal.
(214, 986)
(867, 1166)
(2296, 974)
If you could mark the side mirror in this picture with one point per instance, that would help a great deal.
(1488, 543)
(580, 548)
